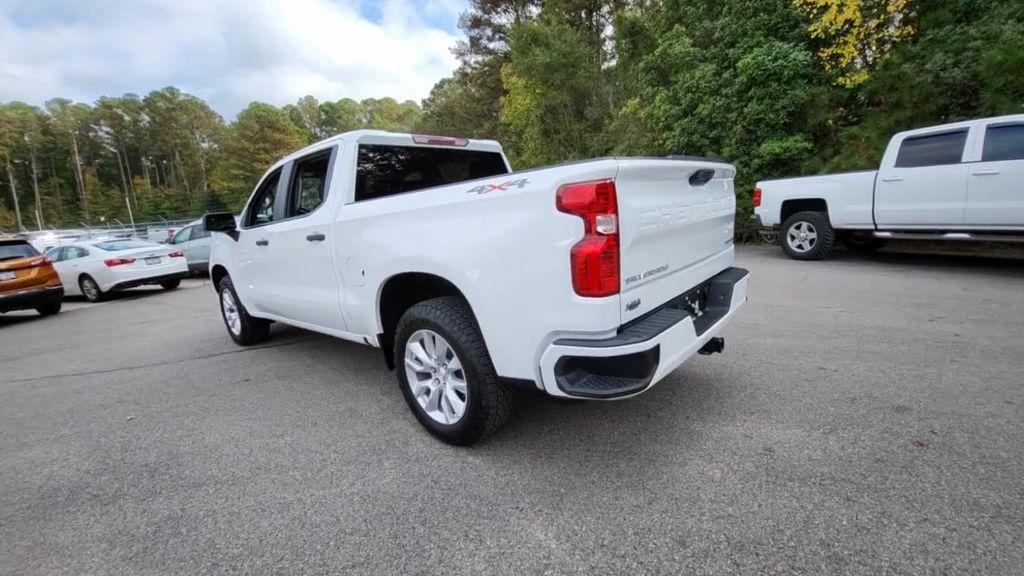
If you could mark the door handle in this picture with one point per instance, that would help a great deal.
(316, 237)
(262, 242)
(985, 173)
(892, 179)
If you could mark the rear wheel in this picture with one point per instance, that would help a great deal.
(90, 289)
(446, 374)
(170, 284)
(50, 308)
(243, 328)
(807, 236)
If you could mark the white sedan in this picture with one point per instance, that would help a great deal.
(94, 268)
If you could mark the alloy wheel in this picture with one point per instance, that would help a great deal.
(436, 377)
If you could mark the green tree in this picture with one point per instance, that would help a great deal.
(260, 136)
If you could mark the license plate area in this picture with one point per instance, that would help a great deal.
(7, 275)
(152, 260)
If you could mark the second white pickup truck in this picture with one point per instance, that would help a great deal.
(962, 181)
(591, 279)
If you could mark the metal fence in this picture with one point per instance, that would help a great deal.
(156, 230)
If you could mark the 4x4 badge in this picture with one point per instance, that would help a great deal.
(633, 305)
(501, 186)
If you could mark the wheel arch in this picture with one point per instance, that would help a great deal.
(217, 273)
(402, 291)
(796, 205)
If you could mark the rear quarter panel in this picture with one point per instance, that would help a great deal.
(504, 246)
(848, 195)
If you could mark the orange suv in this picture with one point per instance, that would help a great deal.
(27, 279)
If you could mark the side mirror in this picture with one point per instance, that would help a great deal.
(221, 222)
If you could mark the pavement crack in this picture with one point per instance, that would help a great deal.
(164, 362)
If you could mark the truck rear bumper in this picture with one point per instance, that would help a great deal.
(645, 351)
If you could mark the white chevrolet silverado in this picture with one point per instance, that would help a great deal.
(591, 279)
(962, 181)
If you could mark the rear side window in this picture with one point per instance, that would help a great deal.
(387, 170)
(1003, 143)
(261, 209)
(309, 184)
(932, 149)
(15, 250)
(74, 252)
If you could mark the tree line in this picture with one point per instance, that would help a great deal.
(778, 87)
(165, 155)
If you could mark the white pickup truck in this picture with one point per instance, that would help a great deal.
(591, 279)
(962, 181)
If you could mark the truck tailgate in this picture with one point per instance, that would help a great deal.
(675, 226)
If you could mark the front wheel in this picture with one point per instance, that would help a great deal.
(243, 328)
(446, 374)
(807, 236)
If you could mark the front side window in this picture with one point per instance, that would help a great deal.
(182, 235)
(387, 170)
(1004, 142)
(932, 149)
(261, 209)
(73, 252)
(309, 184)
(55, 254)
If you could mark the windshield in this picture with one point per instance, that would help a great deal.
(119, 245)
(15, 250)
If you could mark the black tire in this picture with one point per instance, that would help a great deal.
(50, 308)
(90, 289)
(251, 330)
(818, 247)
(488, 401)
(170, 284)
(862, 243)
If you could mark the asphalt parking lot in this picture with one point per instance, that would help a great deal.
(867, 417)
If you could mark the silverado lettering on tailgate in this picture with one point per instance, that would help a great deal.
(685, 213)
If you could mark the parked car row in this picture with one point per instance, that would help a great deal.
(91, 268)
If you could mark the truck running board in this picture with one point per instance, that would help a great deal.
(953, 236)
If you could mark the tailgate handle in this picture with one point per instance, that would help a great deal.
(701, 177)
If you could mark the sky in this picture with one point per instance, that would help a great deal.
(227, 52)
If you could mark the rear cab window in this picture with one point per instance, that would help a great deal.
(119, 245)
(15, 249)
(932, 149)
(1003, 142)
(384, 170)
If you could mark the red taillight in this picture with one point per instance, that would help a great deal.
(177, 254)
(111, 262)
(40, 262)
(757, 197)
(594, 259)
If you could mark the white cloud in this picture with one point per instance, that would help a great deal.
(228, 52)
